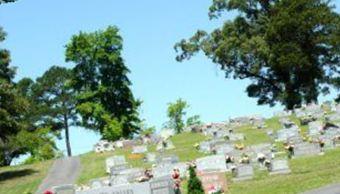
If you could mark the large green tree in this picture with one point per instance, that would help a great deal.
(57, 99)
(176, 111)
(105, 100)
(289, 50)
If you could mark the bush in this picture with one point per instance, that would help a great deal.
(194, 184)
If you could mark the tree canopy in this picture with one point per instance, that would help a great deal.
(290, 50)
(176, 111)
(104, 98)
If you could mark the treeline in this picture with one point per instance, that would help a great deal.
(94, 94)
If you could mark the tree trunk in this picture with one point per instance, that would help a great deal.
(67, 137)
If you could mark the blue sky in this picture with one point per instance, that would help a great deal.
(38, 31)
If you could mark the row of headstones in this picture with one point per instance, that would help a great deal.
(162, 185)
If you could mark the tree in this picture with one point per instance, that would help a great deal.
(176, 112)
(194, 120)
(6, 1)
(194, 184)
(58, 100)
(105, 100)
(289, 50)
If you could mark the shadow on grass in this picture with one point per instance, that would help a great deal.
(12, 174)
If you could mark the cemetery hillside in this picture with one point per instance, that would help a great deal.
(248, 154)
(119, 97)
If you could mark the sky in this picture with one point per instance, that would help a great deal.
(39, 30)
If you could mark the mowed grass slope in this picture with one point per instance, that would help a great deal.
(23, 179)
(307, 173)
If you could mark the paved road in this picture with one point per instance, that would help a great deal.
(64, 171)
(330, 189)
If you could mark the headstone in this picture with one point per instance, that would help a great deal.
(306, 149)
(151, 157)
(114, 161)
(97, 183)
(279, 167)
(315, 127)
(139, 149)
(116, 169)
(132, 174)
(213, 181)
(215, 163)
(224, 149)
(135, 188)
(205, 146)
(244, 172)
(119, 180)
(163, 170)
(285, 134)
(64, 189)
(162, 186)
(168, 159)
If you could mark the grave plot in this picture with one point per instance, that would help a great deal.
(167, 159)
(162, 186)
(213, 180)
(235, 137)
(136, 188)
(224, 149)
(243, 172)
(132, 174)
(279, 167)
(260, 150)
(114, 161)
(116, 169)
(306, 149)
(215, 163)
(295, 139)
(163, 170)
(314, 128)
(151, 157)
(205, 147)
(284, 134)
(139, 149)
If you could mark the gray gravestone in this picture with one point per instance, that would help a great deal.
(139, 149)
(136, 188)
(212, 163)
(224, 149)
(314, 128)
(306, 149)
(279, 167)
(114, 161)
(162, 186)
(244, 172)
(116, 169)
(151, 157)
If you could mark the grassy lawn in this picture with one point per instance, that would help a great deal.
(23, 179)
(253, 135)
(307, 173)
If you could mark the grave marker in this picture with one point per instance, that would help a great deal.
(279, 167)
(244, 172)
(306, 149)
(215, 163)
(216, 180)
(139, 149)
(64, 189)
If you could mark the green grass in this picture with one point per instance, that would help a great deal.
(184, 144)
(307, 173)
(23, 179)
(273, 123)
(253, 135)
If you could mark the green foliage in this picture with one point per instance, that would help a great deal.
(56, 100)
(176, 112)
(100, 79)
(6, 1)
(289, 50)
(194, 184)
(194, 120)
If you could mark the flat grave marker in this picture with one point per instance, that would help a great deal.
(279, 167)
